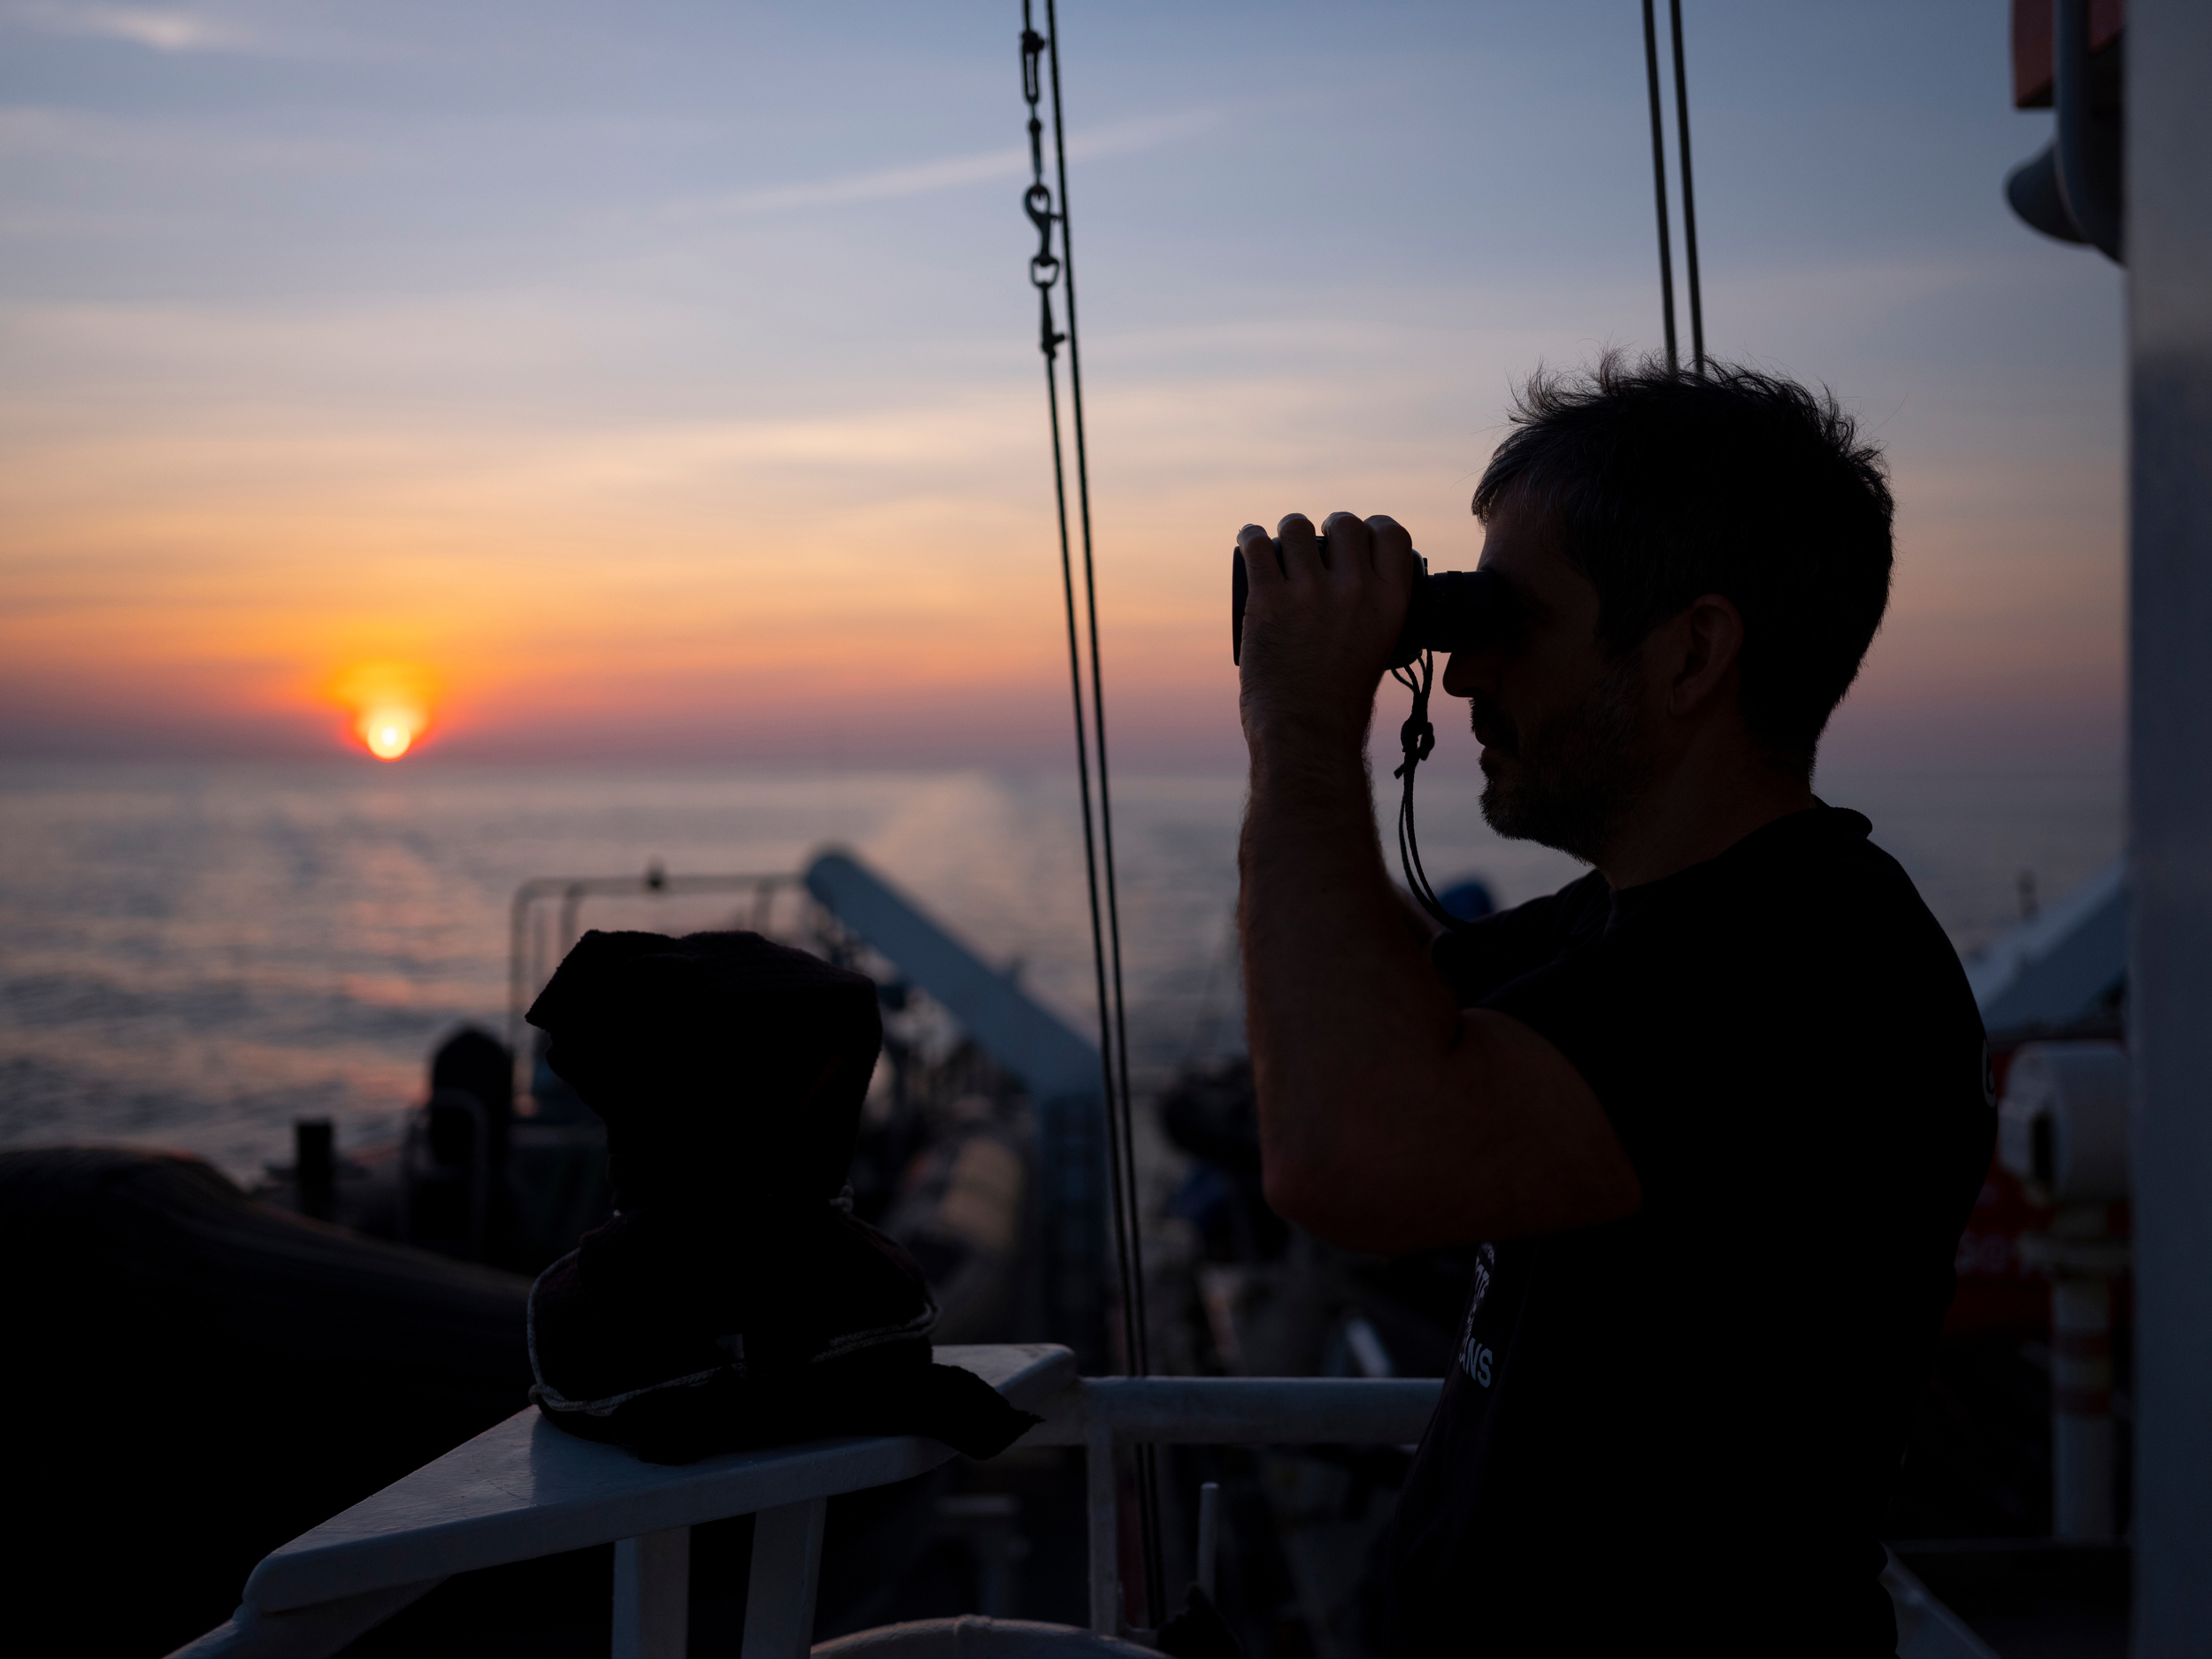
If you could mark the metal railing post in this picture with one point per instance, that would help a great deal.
(1101, 1494)
(786, 1571)
(652, 1595)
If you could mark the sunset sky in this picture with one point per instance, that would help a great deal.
(660, 379)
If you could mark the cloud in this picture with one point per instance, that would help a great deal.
(1119, 138)
(160, 30)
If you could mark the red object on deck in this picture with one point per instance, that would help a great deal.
(1998, 1297)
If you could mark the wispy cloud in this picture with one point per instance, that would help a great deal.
(1120, 138)
(160, 29)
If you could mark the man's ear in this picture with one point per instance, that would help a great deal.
(1709, 645)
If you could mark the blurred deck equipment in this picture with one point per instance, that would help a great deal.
(1060, 1067)
(2063, 1129)
(2066, 57)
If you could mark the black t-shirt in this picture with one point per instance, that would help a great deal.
(1683, 1426)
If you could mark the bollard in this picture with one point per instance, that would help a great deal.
(315, 1166)
(1208, 1535)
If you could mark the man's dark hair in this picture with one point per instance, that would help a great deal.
(1665, 486)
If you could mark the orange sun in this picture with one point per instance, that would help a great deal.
(388, 734)
(391, 703)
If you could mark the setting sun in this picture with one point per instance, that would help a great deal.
(391, 703)
(387, 735)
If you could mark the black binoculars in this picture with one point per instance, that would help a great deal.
(1451, 610)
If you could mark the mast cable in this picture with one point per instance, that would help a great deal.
(1045, 269)
(1659, 187)
(1659, 181)
(1689, 197)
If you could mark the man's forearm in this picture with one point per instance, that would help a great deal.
(1339, 1000)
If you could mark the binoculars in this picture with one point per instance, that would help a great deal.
(1451, 610)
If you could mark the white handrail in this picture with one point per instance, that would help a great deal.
(526, 1489)
(1240, 1410)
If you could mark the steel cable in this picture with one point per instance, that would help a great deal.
(1046, 271)
(1659, 181)
(1689, 195)
(1659, 186)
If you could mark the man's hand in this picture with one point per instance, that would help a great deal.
(1389, 1119)
(1319, 623)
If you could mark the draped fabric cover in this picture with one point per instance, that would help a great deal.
(733, 1301)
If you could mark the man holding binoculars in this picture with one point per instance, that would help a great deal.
(1715, 1113)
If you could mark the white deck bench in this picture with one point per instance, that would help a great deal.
(525, 1489)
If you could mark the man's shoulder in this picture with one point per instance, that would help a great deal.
(1823, 867)
(1807, 914)
(1832, 914)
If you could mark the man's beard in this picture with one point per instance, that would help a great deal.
(1572, 783)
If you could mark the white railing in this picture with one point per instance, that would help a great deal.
(526, 1489)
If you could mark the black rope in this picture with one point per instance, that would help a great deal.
(1417, 739)
(1045, 271)
(1689, 197)
(1659, 181)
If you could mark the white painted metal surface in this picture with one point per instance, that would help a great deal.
(2169, 809)
(1102, 1413)
(786, 1573)
(2083, 1488)
(652, 1595)
(1243, 1410)
(1208, 1535)
(526, 1489)
(1926, 1629)
(2059, 967)
(971, 1638)
(2062, 1125)
(303, 1632)
(1102, 1494)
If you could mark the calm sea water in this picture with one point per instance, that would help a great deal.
(193, 955)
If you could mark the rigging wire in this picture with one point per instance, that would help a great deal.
(1416, 737)
(1659, 181)
(1140, 1347)
(1689, 197)
(1046, 271)
(1659, 187)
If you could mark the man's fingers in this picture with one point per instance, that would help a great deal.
(1349, 543)
(1391, 542)
(1258, 548)
(1344, 546)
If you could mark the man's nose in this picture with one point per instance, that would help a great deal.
(1468, 673)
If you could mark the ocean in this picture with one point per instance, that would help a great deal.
(192, 955)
